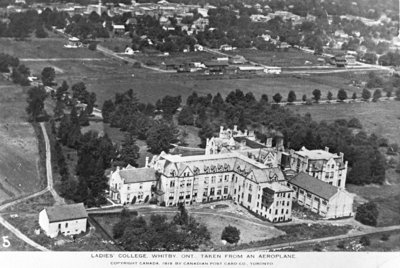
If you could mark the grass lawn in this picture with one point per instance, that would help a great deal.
(177, 57)
(19, 158)
(16, 244)
(44, 48)
(250, 230)
(33, 205)
(292, 57)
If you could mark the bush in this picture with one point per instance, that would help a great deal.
(341, 245)
(162, 204)
(367, 214)
(354, 122)
(231, 234)
(137, 65)
(365, 241)
(92, 46)
(385, 237)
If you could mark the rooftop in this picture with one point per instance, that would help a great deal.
(314, 186)
(277, 187)
(316, 154)
(250, 143)
(137, 175)
(66, 212)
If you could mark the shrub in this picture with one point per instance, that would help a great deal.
(162, 204)
(231, 234)
(341, 245)
(92, 46)
(354, 122)
(137, 65)
(385, 237)
(367, 214)
(365, 241)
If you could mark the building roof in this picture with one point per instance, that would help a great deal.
(314, 186)
(277, 187)
(137, 175)
(186, 151)
(215, 63)
(250, 143)
(316, 154)
(66, 212)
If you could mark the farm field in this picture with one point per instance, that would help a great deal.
(19, 158)
(292, 57)
(44, 48)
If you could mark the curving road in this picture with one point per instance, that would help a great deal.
(49, 188)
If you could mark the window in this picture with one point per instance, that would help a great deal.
(324, 203)
(250, 187)
(225, 190)
(226, 177)
(195, 194)
(288, 195)
(172, 184)
(141, 186)
(219, 192)
(212, 191)
(287, 211)
(189, 184)
(140, 196)
(188, 196)
(258, 204)
(128, 187)
(213, 179)
(301, 192)
(205, 192)
(258, 197)
(234, 191)
(276, 211)
(330, 183)
(282, 211)
(288, 203)
(316, 199)
(59, 226)
(283, 194)
(66, 225)
(338, 183)
(220, 178)
(206, 180)
(308, 195)
(249, 198)
(181, 195)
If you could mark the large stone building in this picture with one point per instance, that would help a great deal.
(132, 185)
(321, 197)
(321, 164)
(205, 178)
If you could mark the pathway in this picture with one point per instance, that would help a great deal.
(62, 59)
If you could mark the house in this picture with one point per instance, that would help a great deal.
(237, 59)
(198, 47)
(216, 66)
(272, 69)
(350, 59)
(65, 219)
(201, 24)
(276, 202)
(250, 69)
(119, 29)
(170, 65)
(132, 185)
(226, 48)
(73, 42)
(339, 60)
(321, 164)
(321, 197)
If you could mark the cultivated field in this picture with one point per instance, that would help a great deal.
(18, 145)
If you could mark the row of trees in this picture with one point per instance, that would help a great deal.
(362, 151)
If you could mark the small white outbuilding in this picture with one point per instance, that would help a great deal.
(64, 219)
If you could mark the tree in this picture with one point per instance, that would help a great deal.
(36, 97)
(291, 96)
(365, 241)
(377, 95)
(59, 109)
(354, 96)
(317, 94)
(398, 94)
(329, 96)
(366, 94)
(60, 91)
(277, 98)
(48, 75)
(130, 151)
(304, 98)
(40, 32)
(80, 93)
(342, 94)
(231, 234)
(367, 214)
(108, 109)
(160, 137)
(182, 217)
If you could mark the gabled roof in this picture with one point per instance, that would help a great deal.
(66, 212)
(314, 186)
(137, 175)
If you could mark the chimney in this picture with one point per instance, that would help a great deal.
(341, 155)
(147, 161)
(221, 129)
(326, 149)
(245, 132)
(235, 128)
(269, 142)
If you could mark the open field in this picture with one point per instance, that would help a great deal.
(381, 118)
(16, 244)
(176, 57)
(44, 48)
(390, 241)
(292, 57)
(18, 145)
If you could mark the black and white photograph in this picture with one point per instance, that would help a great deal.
(200, 133)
